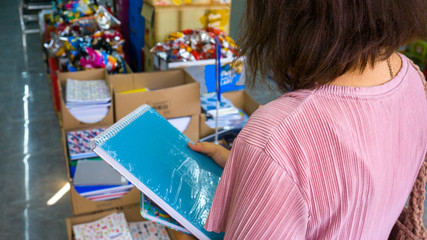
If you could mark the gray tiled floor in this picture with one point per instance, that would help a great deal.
(32, 165)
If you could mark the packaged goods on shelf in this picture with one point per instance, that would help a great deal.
(86, 36)
(195, 50)
(186, 2)
(194, 45)
(160, 21)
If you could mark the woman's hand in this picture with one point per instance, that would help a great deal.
(218, 153)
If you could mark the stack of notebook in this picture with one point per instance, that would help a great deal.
(78, 143)
(151, 211)
(115, 226)
(229, 116)
(92, 177)
(87, 100)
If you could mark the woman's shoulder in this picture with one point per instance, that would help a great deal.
(267, 118)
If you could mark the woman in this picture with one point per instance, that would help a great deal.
(337, 157)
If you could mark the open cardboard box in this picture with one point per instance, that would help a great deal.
(68, 120)
(82, 205)
(65, 145)
(240, 99)
(132, 214)
(172, 93)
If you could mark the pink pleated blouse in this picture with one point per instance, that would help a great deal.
(329, 163)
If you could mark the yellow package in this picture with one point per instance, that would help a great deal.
(217, 18)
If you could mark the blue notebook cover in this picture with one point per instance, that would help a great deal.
(153, 155)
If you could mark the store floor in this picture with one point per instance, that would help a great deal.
(32, 165)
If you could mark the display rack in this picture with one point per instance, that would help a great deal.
(28, 12)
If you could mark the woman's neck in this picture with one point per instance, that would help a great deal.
(371, 76)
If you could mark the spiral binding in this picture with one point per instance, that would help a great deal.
(117, 127)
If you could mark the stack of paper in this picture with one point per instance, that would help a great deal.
(102, 182)
(229, 117)
(113, 226)
(87, 100)
(103, 192)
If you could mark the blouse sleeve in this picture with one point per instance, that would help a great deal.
(257, 199)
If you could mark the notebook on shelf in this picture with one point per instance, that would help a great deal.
(152, 154)
(78, 143)
(87, 100)
(90, 172)
(87, 92)
(113, 226)
(151, 211)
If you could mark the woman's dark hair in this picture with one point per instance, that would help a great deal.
(303, 42)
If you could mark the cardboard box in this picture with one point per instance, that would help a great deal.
(160, 21)
(172, 93)
(68, 120)
(240, 99)
(82, 205)
(204, 71)
(132, 214)
(65, 146)
(148, 59)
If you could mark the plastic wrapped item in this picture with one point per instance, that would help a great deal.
(98, 59)
(105, 19)
(193, 45)
(67, 11)
(109, 40)
(86, 36)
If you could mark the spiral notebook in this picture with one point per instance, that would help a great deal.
(152, 212)
(153, 155)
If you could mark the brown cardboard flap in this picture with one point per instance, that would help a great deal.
(165, 79)
(204, 130)
(175, 94)
(147, 12)
(68, 120)
(66, 158)
(150, 80)
(240, 99)
(82, 205)
(132, 214)
(192, 131)
(121, 82)
(99, 73)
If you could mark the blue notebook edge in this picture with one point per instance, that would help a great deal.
(158, 220)
(96, 145)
